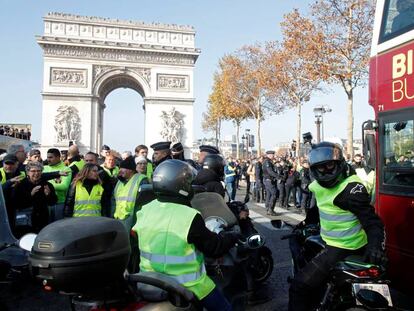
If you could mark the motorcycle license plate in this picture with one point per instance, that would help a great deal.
(379, 288)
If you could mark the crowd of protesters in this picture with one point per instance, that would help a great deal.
(290, 182)
(39, 191)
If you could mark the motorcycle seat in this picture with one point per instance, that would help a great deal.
(352, 263)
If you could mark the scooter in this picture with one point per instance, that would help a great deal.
(352, 284)
(88, 265)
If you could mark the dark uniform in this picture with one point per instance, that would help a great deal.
(282, 174)
(161, 146)
(269, 176)
(177, 152)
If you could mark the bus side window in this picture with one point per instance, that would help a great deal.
(398, 18)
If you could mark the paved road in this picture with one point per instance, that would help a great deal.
(276, 287)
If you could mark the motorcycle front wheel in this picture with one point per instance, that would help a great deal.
(262, 268)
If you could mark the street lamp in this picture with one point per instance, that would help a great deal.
(247, 132)
(319, 111)
(244, 138)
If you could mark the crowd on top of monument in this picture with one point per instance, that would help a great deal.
(16, 132)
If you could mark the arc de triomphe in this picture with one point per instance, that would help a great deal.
(85, 58)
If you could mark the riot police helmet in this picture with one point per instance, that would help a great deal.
(327, 163)
(174, 178)
(216, 163)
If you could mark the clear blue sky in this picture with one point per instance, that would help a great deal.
(222, 27)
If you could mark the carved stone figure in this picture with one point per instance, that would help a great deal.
(67, 124)
(172, 125)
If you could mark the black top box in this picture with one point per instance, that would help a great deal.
(80, 254)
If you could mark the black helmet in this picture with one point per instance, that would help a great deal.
(174, 178)
(327, 163)
(216, 163)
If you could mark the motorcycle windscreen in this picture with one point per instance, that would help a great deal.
(6, 236)
(212, 204)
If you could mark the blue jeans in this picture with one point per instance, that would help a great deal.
(231, 189)
(215, 301)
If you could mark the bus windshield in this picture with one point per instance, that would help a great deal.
(398, 18)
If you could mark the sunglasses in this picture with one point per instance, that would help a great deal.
(326, 167)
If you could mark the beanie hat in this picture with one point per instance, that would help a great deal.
(128, 163)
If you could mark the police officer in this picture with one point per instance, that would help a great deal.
(161, 153)
(269, 177)
(173, 236)
(282, 175)
(177, 152)
(349, 225)
(205, 150)
(212, 174)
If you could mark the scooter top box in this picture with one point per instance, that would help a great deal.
(79, 253)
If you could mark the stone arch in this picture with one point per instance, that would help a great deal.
(119, 77)
(85, 58)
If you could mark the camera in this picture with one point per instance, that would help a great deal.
(307, 137)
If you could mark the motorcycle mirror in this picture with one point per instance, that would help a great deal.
(276, 223)
(27, 241)
(255, 241)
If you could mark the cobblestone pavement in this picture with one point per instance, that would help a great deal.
(33, 299)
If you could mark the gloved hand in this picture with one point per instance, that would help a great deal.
(230, 235)
(300, 225)
(375, 255)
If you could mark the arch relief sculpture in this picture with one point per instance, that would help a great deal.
(67, 124)
(172, 125)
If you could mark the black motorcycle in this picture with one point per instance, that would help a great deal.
(352, 284)
(247, 265)
(14, 264)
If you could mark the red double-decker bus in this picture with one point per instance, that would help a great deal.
(389, 140)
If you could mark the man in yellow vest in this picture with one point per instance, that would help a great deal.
(60, 184)
(173, 236)
(142, 151)
(349, 225)
(109, 165)
(76, 163)
(126, 192)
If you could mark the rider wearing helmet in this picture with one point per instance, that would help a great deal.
(212, 174)
(173, 236)
(349, 225)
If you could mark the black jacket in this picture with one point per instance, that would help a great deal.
(258, 170)
(269, 170)
(210, 180)
(305, 179)
(21, 198)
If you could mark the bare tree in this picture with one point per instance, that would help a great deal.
(347, 28)
(292, 66)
